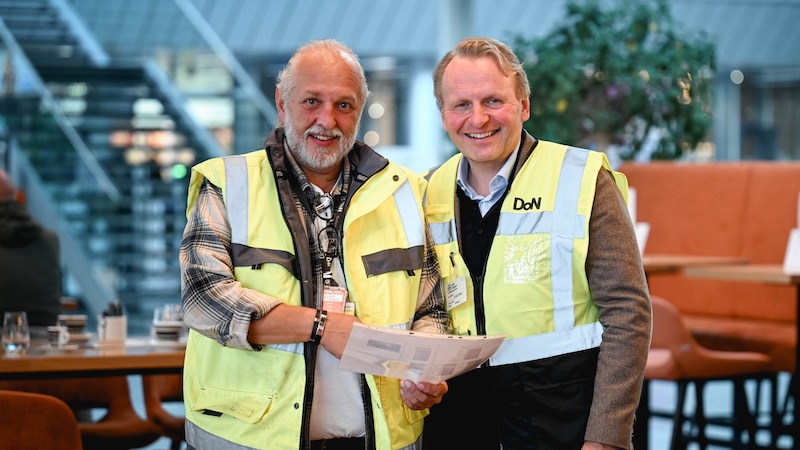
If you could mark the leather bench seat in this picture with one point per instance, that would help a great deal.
(741, 209)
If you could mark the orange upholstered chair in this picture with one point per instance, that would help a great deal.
(157, 390)
(676, 356)
(119, 428)
(29, 420)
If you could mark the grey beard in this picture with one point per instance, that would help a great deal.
(299, 149)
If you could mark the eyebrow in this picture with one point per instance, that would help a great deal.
(347, 98)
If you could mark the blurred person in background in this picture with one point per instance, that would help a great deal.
(535, 242)
(30, 267)
(285, 249)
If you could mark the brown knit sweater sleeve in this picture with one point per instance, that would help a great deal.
(618, 287)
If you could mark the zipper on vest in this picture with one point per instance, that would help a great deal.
(480, 313)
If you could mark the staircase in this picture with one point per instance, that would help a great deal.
(113, 156)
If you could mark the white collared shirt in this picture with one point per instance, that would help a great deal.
(497, 187)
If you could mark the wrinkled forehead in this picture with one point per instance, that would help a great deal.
(330, 73)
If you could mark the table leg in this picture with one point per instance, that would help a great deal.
(794, 384)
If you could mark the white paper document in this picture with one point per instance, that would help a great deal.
(413, 355)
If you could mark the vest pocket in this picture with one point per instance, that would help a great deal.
(414, 415)
(249, 407)
(393, 259)
(255, 258)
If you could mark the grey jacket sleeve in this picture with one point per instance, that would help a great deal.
(619, 289)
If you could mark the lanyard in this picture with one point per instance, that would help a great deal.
(327, 211)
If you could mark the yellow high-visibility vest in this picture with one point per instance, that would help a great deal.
(535, 287)
(260, 393)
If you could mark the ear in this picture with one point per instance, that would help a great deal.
(279, 104)
(526, 109)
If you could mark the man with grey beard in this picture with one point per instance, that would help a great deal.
(285, 249)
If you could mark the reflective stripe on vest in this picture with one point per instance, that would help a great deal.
(410, 213)
(203, 439)
(545, 345)
(292, 348)
(200, 438)
(443, 232)
(563, 225)
(236, 197)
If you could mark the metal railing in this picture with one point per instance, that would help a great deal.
(23, 67)
(252, 91)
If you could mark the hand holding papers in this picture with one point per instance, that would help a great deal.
(413, 355)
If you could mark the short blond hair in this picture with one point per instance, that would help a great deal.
(478, 47)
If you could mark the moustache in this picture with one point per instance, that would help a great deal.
(319, 131)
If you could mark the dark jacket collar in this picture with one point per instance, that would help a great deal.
(527, 145)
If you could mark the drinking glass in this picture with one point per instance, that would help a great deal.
(168, 313)
(16, 333)
(168, 322)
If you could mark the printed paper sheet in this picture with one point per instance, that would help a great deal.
(413, 355)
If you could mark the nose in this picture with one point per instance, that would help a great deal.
(479, 116)
(326, 117)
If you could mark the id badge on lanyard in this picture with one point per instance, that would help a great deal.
(334, 296)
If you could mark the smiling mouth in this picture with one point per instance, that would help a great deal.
(480, 135)
(323, 137)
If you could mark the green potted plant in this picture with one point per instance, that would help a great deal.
(620, 75)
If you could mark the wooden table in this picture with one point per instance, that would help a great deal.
(666, 264)
(138, 356)
(762, 273)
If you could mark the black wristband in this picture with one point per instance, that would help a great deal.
(319, 326)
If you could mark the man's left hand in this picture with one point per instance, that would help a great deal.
(421, 395)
